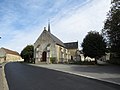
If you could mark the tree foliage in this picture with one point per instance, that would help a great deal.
(27, 53)
(112, 28)
(94, 45)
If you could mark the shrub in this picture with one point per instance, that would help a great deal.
(53, 59)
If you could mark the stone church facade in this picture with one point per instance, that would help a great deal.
(48, 48)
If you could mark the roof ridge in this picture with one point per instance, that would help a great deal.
(72, 42)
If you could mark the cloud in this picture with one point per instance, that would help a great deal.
(22, 23)
(20, 39)
(76, 25)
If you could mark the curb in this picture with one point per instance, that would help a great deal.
(86, 76)
(1, 78)
(90, 77)
(5, 84)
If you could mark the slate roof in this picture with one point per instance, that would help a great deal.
(71, 45)
(55, 39)
(10, 51)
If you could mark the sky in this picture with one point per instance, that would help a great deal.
(22, 21)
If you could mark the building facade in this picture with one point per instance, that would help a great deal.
(48, 48)
(7, 55)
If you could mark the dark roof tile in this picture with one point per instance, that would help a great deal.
(71, 45)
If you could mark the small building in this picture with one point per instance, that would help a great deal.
(48, 47)
(72, 47)
(7, 55)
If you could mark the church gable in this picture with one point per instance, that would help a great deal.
(47, 37)
(43, 38)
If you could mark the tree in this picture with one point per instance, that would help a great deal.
(27, 53)
(111, 29)
(94, 45)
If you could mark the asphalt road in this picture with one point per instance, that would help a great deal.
(25, 77)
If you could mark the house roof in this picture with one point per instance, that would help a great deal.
(10, 51)
(55, 39)
(71, 45)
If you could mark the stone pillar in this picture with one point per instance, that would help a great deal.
(48, 57)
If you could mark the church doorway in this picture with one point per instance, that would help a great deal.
(44, 56)
(71, 57)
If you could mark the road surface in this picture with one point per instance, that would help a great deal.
(25, 77)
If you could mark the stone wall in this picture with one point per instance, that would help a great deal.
(11, 57)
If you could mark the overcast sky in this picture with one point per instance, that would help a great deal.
(22, 21)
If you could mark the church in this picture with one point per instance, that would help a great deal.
(49, 49)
